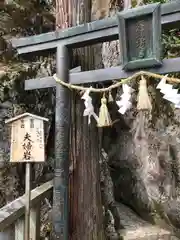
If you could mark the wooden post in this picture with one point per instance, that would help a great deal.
(28, 199)
(62, 128)
(19, 228)
(35, 221)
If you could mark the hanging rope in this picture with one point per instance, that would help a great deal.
(124, 104)
(116, 85)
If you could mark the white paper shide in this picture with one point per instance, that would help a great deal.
(125, 104)
(170, 94)
(89, 109)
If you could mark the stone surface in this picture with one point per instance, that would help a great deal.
(137, 229)
(14, 101)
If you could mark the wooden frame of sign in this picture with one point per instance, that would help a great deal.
(140, 36)
(27, 138)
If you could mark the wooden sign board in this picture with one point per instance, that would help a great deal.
(140, 36)
(27, 138)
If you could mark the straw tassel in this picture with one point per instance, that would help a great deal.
(144, 102)
(104, 116)
(110, 97)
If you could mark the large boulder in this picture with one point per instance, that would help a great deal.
(144, 160)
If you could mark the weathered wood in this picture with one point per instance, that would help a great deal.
(45, 82)
(170, 7)
(26, 114)
(86, 39)
(143, 25)
(168, 66)
(35, 222)
(19, 228)
(62, 128)
(170, 21)
(89, 33)
(171, 65)
(14, 210)
(28, 199)
(27, 138)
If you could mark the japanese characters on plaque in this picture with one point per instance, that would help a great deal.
(140, 36)
(140, 30)
(27, 146)
(27, 139)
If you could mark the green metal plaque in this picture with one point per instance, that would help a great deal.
(140, 36)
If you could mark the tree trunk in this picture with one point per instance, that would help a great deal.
(85, 194)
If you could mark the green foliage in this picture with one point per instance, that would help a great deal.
(171, 43)
(25, 17)
(171, 47)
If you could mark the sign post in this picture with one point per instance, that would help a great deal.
(28, 199)
(27, 146)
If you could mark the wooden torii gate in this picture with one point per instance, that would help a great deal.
(64, 41)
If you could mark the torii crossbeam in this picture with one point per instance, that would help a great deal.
(64, 41)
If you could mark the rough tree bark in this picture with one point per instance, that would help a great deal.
(85, 195)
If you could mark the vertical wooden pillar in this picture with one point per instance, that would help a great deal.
(62, 132)
(28, 199)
